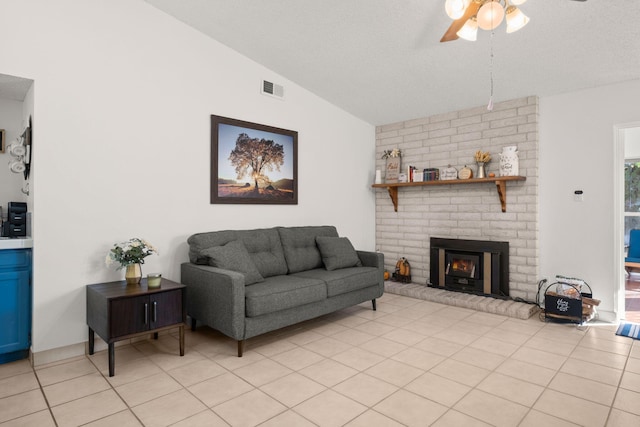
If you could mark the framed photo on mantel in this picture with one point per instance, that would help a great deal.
(253, 163)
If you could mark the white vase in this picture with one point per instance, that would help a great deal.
(509, 162)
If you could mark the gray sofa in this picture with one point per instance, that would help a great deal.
(244, 283)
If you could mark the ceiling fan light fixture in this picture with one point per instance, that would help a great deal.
(469, 30)
(515, 19)
(517, 2)
(490, 15)
(456, 8)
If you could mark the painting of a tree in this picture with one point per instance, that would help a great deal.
(252, 163)
(255, 156)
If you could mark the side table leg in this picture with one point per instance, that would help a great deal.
(112, 357)
(91, 340)
(181, 329)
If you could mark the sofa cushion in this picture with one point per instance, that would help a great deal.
(234, 256)
(263, 246)
(337, 252)
(344, 280)
(299, 246)
(282, 292)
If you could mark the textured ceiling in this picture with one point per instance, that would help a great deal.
(381, 60)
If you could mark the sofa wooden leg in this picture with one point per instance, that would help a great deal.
(240, 347)
(193, 324)
(373, 303)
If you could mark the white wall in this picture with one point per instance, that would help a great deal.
(11, 122)
(576, 153)
(122, 145)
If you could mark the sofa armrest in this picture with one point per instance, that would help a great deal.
(215, 297)
(371, 259)
(374, 259)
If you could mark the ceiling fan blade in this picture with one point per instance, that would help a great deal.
(450, 34)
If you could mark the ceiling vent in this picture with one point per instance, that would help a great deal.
(272, 89)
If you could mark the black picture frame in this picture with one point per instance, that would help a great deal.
(239, 177)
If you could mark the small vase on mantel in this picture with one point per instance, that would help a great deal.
(481, 170)
(133, 274)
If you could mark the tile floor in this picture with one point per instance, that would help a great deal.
(412, 362)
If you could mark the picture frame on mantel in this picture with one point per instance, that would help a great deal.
(253, 163)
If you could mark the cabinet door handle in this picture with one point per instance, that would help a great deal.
(146, 313)
(155, 311)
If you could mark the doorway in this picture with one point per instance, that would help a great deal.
(629, 141)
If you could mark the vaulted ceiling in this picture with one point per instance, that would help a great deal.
(382, 60)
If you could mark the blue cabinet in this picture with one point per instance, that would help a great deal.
(15, 304)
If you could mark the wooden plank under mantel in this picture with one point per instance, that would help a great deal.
(500, 182)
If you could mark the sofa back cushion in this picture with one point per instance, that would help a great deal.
(299, 245)
(263, 246)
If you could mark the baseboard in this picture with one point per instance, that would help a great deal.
(80, 349)
(56, 354)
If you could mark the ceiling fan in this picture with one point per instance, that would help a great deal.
(467, 15)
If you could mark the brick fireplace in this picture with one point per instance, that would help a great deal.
(468, 212)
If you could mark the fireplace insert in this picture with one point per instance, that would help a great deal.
(463, 265)
(463, 271)
(475, 266)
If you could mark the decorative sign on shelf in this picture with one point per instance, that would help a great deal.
(392, 166)
(392, 169)
(466, 172)
(448, 173)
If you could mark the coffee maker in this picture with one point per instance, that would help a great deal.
(16, 224)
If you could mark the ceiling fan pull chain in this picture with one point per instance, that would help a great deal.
(490, 106)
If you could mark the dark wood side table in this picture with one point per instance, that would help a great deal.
(117, 311)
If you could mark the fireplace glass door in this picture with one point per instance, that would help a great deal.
(463, 265)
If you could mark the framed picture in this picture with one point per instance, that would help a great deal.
(2, 141)
(253, 163)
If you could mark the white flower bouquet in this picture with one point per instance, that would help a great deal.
(133, 251)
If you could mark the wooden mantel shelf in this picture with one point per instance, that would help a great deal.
(500, 181)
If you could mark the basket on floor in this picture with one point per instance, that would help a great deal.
(568, 303)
